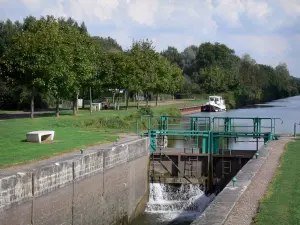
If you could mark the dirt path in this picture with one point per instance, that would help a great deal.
(246, 207)
(20, 114)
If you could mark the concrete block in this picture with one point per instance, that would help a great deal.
(17, 214)
(115, 194)
(115, 156)
(52, 177)
(88, 165)
(138, 149)
(88, 200)
(40, 136)
(54, 207)
(15, 189)
(137, 186)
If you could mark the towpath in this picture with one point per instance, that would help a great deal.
(246, 207)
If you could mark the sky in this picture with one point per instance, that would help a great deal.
(268, 30)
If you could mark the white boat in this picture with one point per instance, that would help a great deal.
(214, 104)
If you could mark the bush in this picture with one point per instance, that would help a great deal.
(145, 111)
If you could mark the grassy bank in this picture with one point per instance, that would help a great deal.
(71, 132)
(281, 203)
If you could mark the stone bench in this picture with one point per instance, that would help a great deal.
(40, 136)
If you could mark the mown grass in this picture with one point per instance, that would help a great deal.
(71, 132)
(281, 204)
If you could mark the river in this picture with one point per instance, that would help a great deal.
(168, 206)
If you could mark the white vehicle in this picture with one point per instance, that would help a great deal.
(214, 104)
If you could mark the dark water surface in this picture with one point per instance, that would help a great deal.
(185, 204)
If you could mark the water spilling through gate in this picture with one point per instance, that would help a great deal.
(174, 204)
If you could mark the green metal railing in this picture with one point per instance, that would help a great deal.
(228, 123)
(177, 122)
(211, 130)
(210, 139)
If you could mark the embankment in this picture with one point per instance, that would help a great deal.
(237, 204)
(106, 186)
(190, 109)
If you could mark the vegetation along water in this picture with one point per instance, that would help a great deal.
(46, 60)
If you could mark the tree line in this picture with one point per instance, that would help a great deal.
(56, 58)
(215, 68)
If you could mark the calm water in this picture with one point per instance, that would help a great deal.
(184, 205)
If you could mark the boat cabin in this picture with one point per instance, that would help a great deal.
(216, 99)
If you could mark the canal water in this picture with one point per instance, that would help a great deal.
(170, 205)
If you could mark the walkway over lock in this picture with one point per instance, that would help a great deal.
(207, 156)
(211, 130)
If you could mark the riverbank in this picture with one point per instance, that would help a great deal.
(246, 207)
(73, 132)
(281, 201)
(237, 205)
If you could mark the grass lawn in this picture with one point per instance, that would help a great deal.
(281, 204)
(71, 132)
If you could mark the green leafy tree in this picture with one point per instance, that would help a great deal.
(30, 57)
(108, 44)
(172, 54)
(145, 58)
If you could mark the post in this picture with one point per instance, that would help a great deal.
(57, 107)
(91, 110)
(32, 105)
(234, 181)
(149, 122)
(210, 161)
(137, 127)
(256, 144)
(295, 124)
(256, 154)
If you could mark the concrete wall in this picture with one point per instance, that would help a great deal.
(218, 211)
(105, 187)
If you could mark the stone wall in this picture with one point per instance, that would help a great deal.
(105, 187)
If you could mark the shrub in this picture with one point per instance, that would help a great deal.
(145, 111)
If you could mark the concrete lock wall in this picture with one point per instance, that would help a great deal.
(106, 187)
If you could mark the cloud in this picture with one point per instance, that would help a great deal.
(83, 10)
(33, 4)
(264, 28)
(291, 7)
(93, 9)
(232, 10)
(267, 45)
(143, 12)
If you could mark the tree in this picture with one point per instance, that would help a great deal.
(214, 80)
(164, 78)
(30, 57)
(84, 66)
(145, 58)
(188, 60)
(115, 71)
(177, 79)
(172, 55)
(108, 44)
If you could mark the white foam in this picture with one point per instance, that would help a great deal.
(186, 203)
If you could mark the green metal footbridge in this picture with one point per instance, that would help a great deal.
(207, 152)
(214, 133)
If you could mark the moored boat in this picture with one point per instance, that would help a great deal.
(214, 104)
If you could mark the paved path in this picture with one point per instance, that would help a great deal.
(246, 207)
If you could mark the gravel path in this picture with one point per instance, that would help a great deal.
(246, 207)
